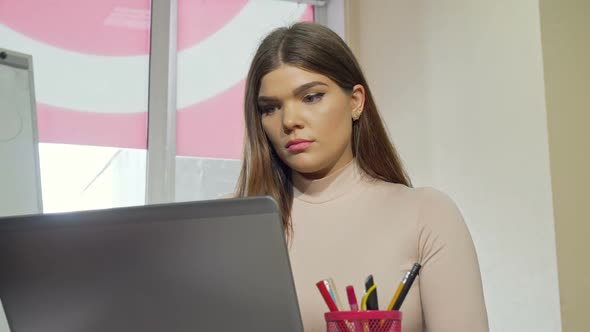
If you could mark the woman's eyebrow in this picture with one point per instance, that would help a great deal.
(267, 100)
(297, 91)
(302, 88)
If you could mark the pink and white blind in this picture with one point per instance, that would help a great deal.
(91, 67)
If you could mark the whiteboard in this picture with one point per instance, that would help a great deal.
(3, 322)
(20, 180)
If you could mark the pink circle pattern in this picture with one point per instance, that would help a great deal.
(111, 27)
(121, 28)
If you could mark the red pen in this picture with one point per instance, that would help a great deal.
(327, 297)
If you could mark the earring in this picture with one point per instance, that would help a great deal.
(356, 114)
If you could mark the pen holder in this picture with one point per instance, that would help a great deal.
(364, 321)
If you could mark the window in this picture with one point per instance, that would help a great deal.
(92, 76)
(90, 63)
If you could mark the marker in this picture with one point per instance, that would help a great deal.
(358, 327)
(365, 300)
(402, 295)
(372, 301)
(354, 306)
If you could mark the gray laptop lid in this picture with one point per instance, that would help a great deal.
(203, 266)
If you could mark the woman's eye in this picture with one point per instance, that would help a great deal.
(312, 98)
(269, 109)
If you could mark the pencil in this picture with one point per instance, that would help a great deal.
(399, 290)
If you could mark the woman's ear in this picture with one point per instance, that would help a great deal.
(357, 101)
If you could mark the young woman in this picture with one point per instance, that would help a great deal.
(316, 143)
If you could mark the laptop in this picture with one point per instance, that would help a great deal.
(219, 265)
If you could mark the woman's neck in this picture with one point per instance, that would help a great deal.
(324, 189)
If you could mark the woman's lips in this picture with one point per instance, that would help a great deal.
(299, 145)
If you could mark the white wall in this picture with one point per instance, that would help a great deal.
(460, 84)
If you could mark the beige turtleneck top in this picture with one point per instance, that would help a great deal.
(348, 225)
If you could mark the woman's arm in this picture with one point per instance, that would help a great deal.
(450, 280)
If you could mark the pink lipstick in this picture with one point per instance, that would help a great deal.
(298, 145)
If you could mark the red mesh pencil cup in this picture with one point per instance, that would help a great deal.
(364, 321)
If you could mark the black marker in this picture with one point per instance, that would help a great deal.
(372, 301)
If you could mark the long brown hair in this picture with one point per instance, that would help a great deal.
(315, 48)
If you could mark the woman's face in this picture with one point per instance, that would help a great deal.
(308, 119)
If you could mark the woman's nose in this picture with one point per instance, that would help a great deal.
(291, 118)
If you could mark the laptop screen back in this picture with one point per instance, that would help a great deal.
(205, 266)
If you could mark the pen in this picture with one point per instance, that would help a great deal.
(372, 301)
(326, 295)
(402, 295)
(329, 289)
(398, 291)
(334, 292)
(342, 327)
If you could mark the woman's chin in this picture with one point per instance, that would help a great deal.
(304, 165)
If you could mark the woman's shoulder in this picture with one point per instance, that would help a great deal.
(428, 204)
(436, 210)
(430, 196)
(423, 195)
(419, 195)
